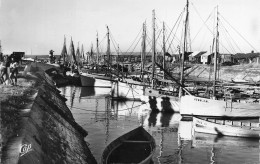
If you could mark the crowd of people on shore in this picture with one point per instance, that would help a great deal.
(8, 71)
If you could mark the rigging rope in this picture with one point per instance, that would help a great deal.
(117, 50)
(201, 47)
(114, 44)
(209, 28)
(222, 25)
(204, 23)
(227, 39)
(169, 44)
(103, 39)
(178, 20)
(135, 39)
(174, 36)
(136, 45)
(238, 33)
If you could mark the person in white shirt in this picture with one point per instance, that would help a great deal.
(14, 71)
(2, 72)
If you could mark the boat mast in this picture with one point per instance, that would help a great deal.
(108, 49)
(184, 49)
(82, 53)
(64, 51)
(215, 57)
(91, 54)
(117, 60)
(97, 51)
(153, 50)
(143, 52)
(164, 50)
(72, 53)
(78, 56)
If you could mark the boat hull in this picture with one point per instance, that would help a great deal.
(88, 92)
(136, 146)
(203, 126)
(127, 91)
(197, 106)
(160, 102)
(89, 80)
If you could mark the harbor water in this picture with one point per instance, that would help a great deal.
(106, 119)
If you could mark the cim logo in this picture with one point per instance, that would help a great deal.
(25, 148)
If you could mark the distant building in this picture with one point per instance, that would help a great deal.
(17, 56)
(245, 58)
(206, 58)
(226, 58)
(135, 57)
(195, 57)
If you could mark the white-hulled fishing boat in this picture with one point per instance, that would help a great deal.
(198, 106)
(161, 100)
(222, 107)
(134, 90)
(98, 79)
(95, 80)
(226, 127)
(127, 89)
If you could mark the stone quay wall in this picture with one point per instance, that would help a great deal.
(36, 124)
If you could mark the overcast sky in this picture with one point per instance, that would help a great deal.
(40, 25)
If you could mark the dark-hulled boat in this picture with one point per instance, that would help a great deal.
(136, 146)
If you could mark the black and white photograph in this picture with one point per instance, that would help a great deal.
(129, 81)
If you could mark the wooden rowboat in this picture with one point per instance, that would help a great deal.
(136, 146)
(227, 127)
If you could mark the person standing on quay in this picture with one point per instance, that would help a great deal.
(7, 66)
(2, 72)
(14, 72)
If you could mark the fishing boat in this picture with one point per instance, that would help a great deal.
(64, 53)
(95, 80)
(128, 88)
(240, 81)
(212, 105)
(88, 92)
(198, 106)
(226, 149)
(136, 146)
(160, 97)
(146, 90)
(227, 127)
(91, 79)
(161, 100)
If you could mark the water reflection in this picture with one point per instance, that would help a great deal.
(106, 120)
(166, 105)
(214, 149)
(185, 132)
(225, 149)
(152, 120)
(163, 127)
(94, 91)
(72, 97)
(160, 120)
(87, 91)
